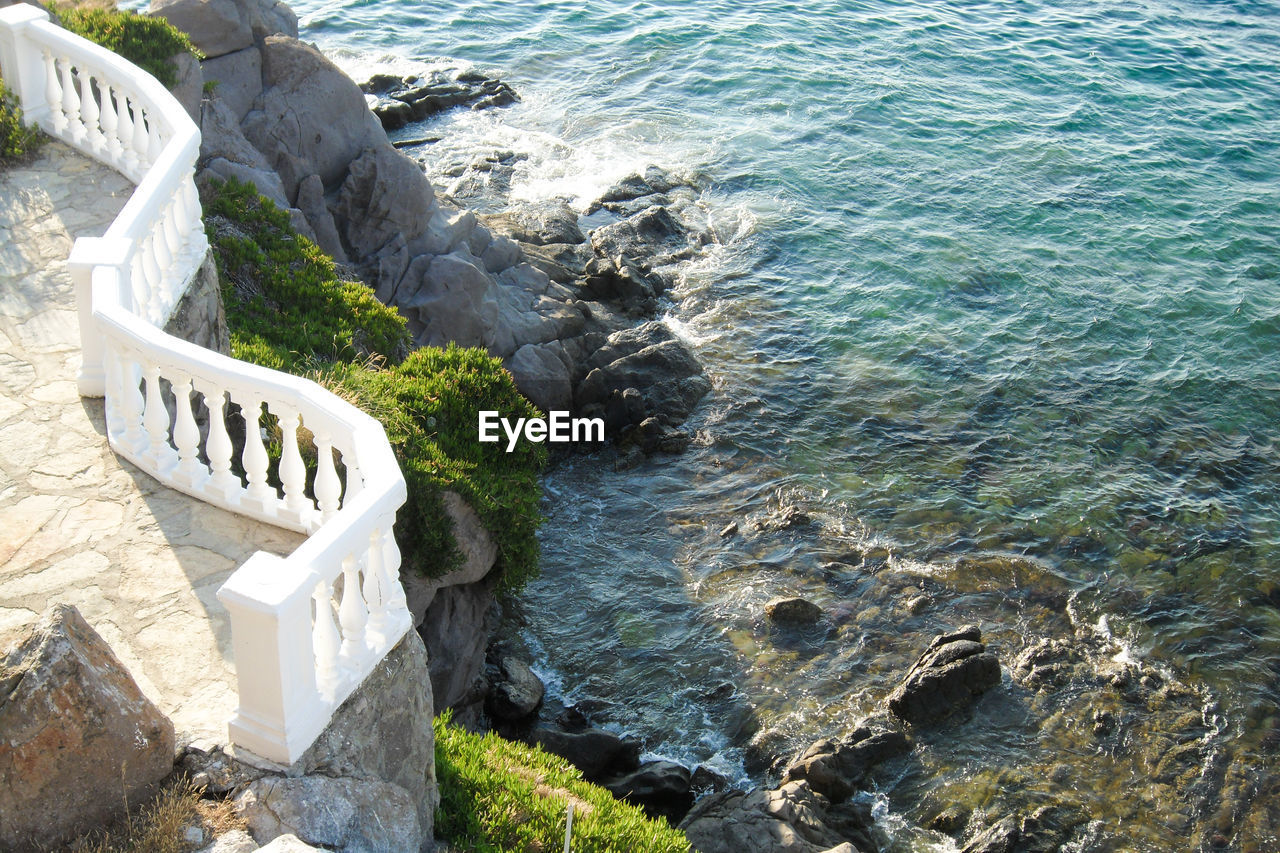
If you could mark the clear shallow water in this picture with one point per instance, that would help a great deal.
(993, 278)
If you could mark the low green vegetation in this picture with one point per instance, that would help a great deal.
(288, 309)
(497, 796)
(150, 43)
(16, 139)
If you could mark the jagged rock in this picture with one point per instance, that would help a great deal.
(836, 769)
(266, 181)
(221, 137)
(599, 754)
(456, 630)
(515, 691)
(704, 780)
(352, 815)
(542, 374)
(271, 17)
(540, 224)
(1000, 837)
(77, 736)
(562, 262)
(624, 283)
(650, 359)
(216, 27)
(384, 194)
(661, 788)
(793, 611)
(500, 253)
(215, 772)
(312, 204)
(310, 110)
(1044, 663)
(789, 819)
(949, 675)
(424, 97)
(653, 236)
(237, 78)
(382, 733)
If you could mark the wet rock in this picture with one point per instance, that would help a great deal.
(653, 237)
(624, 283)
(77, 736)
(562, 262)
(422, 97)
(650, 359)
(729, 530)
(661, 788)
(790, 819)
(836, 769)
(950, 820)
(1000, 837)
(793, 611)
(540, 224)
(515, 692)
(784, 518)
(949, 675)
(704, 780)
(599, 754)
(1045, 663)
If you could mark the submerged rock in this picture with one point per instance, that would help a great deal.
(790, 819)
(953, 671)
(793, 611)
(836, 769)
(399, 100)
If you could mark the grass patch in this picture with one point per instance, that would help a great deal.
(288, 309)
(150, 43)
(497, 796)
(160, 825)
(16, 139)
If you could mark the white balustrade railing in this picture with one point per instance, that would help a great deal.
(308, 628)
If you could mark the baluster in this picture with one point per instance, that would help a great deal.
(393, 593)
(89, 110)
(53, 92)
(124, 134)
(353, 613)
(70, 101)
(375, 585)
(293, 474)
(218, 447)
(164, 266)
(328, 486)
(131, 406)
(113, 400)
(152, 274)
(355, 479)
(255, 458)
(156, 421)
(141, 140)
(137, 283)
(155, 141)
(325, 639)
(186, 435)
(173, 242)
(109, 121)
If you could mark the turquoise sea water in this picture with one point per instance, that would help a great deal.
(992, 279)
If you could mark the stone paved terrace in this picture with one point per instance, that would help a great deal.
(77, 524)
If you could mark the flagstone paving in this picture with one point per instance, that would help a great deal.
(77, 524)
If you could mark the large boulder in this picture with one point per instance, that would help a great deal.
(651, 359)
(351, 815)
(216, 27)
(456, 630)
(836, 769)
(542, 373)
(598, 753)
(652, 236)
(515, 691)
(311, 111)
(385, 194)
(790, 819)
(236, 79)
(382, 733)
(661, 788)
(221, 137)
(953, 671)
(77, 736)
(539, 224)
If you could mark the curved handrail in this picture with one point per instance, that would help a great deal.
(308, 628)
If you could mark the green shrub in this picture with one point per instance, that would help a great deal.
(150, 43)
(288, 310)
(16, 139)
(497, 796)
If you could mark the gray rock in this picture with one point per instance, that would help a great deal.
(199, 317)
(449, 228)
(453, 297)
(953, 671)
(298, 220)
(312, 204)
(351, 815)
(515, 691)
(266, 181)
(624, 283)
(456, 631)
(479, 552)
(77, 735)
(215, 772)
(789, 819)
(385, 194)
(235, 841)
(221, 137)
(562, 262)
(793, 610)
(539, 224)
(1001, 837)
(271, 17)
(500, 253)
(383, 733)
(311, 110)
(542, 374)
(216, 27)
(650, 359)
(238, 77)
(599, 754)
(653, 237)
(189, 88)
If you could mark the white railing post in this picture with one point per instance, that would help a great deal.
(281, 711)
(21, 63)
(87, 253)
